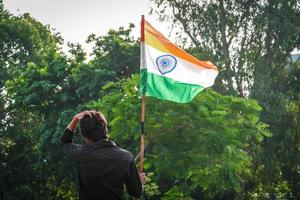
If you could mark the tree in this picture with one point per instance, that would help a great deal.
(23, 41)
(41, 89)
(281, 111)
(201, 149)
(236, 34)
(117, 51)
(251, 42)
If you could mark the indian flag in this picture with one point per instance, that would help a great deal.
(168, 72)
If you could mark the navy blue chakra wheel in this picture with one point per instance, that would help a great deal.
(166, 63)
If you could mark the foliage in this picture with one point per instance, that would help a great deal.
(151, 189)
(251, 42)
(203, 147)
(41, 89)
(117, 51)
(281, 111)
(241, 37)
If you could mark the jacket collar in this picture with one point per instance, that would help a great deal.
(103, 143)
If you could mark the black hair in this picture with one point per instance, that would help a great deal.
(94, 128)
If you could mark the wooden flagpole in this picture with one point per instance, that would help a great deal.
(143, 102)
(142, 134)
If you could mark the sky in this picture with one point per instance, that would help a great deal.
(76, 19)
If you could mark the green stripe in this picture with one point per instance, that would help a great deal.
(167, 88)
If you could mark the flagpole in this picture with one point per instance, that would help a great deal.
(142, 134)
(142, 103)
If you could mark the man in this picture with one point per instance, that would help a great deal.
(103, 167)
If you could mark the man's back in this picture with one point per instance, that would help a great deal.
(103, 169)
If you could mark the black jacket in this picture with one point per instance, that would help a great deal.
(103, 169)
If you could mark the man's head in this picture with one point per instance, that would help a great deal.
(94, 128)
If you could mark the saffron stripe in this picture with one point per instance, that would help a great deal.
(155, 39)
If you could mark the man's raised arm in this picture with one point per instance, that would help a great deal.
(67, 136)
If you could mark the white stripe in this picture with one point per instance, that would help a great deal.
(184, 71)
(143, 56)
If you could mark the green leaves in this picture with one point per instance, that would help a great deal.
(117, 51)
(206, 142)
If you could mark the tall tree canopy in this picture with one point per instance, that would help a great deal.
(244, 38)
(251, 42)
(202, 149)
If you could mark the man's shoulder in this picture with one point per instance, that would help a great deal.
(125, 153)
